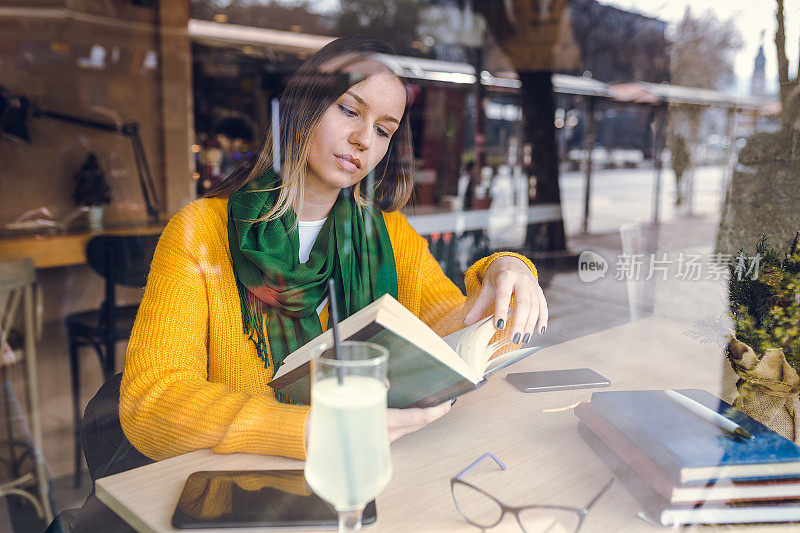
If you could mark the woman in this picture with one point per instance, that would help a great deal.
(260, 248)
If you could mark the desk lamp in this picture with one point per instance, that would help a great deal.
(14, 112)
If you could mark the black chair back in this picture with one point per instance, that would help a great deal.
(107, 449)
(122, 259)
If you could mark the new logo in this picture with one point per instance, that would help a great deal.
(591, 266)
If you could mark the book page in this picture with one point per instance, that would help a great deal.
(471, 342)
(509, 358)
(454, 338)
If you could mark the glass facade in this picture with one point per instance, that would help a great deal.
(625, 151)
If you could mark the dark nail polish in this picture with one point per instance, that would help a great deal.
(541, 331)
(501, 324)
(526, 338)
(453, 401)
(516, 338)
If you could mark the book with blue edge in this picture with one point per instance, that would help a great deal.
(686, 470)
(657, 509)
(690, 448)
(718, 490)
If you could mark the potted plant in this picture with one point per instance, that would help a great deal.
(765, 350)
(92, 190)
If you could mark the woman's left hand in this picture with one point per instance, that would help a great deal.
(505, 276)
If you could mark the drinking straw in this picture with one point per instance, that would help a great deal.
(348, 464)
(334, 314)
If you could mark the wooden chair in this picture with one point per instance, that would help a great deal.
(17, 291)
(120, 260)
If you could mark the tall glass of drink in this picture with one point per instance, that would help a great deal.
(348, 461)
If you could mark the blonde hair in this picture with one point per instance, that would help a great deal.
(308, 94)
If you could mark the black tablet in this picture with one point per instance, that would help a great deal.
(267, 499)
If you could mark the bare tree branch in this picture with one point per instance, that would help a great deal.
(717, 39)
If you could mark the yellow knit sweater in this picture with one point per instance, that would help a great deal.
(193, 379)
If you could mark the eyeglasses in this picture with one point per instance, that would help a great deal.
(483, 510)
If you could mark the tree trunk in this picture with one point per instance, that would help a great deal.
(537, 38)
(695, 115)
(783, 61)
(789, 89)
(538, 107)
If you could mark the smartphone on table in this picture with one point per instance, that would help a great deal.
(550, 380)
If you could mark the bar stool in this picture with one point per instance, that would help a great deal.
(18, 287)
(120, 260)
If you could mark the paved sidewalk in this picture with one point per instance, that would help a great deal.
(578, 308)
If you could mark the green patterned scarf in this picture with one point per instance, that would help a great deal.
(353, 247)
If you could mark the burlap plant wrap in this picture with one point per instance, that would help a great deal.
(769, 388)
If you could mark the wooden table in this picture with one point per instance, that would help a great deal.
(63, 249)
(547, 460)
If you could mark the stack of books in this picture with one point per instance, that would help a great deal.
(686, 469)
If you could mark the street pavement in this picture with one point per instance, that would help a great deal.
(681, 245)
(626, 195)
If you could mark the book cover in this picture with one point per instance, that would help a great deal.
(656, 508)
(691, 448)
(424, 369)
(415, 378)
(719, 490)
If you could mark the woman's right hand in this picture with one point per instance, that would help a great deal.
(404, 421)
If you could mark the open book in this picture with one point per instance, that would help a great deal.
(424, 368)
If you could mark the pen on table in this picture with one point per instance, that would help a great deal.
(709, 414)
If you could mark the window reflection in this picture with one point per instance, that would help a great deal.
(661, 138)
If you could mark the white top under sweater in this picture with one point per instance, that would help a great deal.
(308, 231)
